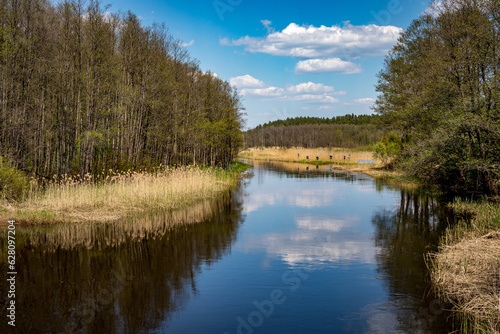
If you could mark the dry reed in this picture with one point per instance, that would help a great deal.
(290, 154)
(466, 270)
(137, 227)
(120, 195)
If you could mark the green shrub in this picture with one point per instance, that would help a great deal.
(388, 148)
(14, 184)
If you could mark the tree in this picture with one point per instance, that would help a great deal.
(439, 89)
(83, 91)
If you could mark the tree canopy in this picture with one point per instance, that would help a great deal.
(440, 90)
(84, 91)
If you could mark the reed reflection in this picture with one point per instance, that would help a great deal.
(124, 277)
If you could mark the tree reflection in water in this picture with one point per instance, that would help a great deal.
(123, 277)
(404, 236)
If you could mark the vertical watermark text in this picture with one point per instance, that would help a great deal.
(11, 273)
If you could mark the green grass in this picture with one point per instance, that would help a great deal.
(238, 167)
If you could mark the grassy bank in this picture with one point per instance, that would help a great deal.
(121, 195)
(466, 270)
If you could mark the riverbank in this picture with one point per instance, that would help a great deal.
(308, 155)
(466, 269)
(337, 161)
(122, 195)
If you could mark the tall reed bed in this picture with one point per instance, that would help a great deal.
(466, 270)
(121, 194)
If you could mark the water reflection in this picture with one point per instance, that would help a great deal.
(361, 243)
(319, 241)
(404, 235)
(331, 232)
(124, 277)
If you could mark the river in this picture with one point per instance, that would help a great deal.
(295, 249)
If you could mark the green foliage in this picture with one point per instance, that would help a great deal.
(388, 148)
(14, 184)
(238, 167)
(344, 119)
(91, 91)
(439, 90)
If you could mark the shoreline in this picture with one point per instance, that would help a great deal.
(125, 194)
(465, 269)
(376, 170)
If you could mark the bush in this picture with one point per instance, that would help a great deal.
(388, 148)
(14, 184)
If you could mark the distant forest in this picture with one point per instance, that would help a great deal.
(348, 131)
(84, 91)
(345, 119)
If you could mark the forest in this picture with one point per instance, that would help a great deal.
(440, 90)
(344, 119)
(347, 131)
(84, 91)
(313, 135)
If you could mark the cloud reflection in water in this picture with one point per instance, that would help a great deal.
(319, 241)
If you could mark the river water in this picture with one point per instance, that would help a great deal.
(295, 249)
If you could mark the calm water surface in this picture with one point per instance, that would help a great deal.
(291, 251)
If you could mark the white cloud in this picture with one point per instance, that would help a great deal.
(327, 65)
(347, 41)
(366, 100)
(310, 87)
(267, 24)
(308, 92)
(325, 108)
(266, 92)
(323, 98)
(187, 44)
(246, 81)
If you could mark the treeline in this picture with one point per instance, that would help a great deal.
(344, 119)
(83, 91)
(313, 135)
(440, 89)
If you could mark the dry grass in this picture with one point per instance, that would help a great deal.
(290, 154)
(119, 196)
(466, 270)
(389, 176)
(137, 227)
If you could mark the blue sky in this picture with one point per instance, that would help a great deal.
(287, 58)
